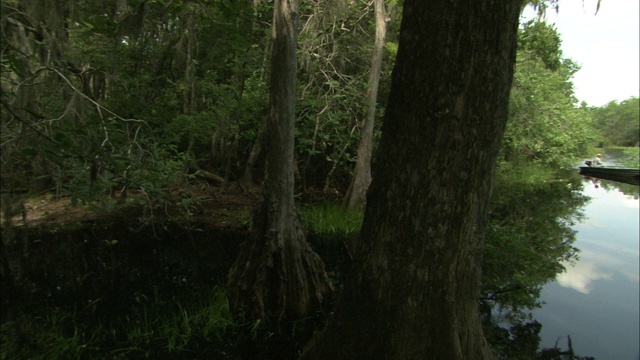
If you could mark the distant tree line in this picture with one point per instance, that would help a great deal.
(618, 124)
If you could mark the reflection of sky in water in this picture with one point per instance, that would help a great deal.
(596, 301)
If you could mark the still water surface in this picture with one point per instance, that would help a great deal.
(596, 301)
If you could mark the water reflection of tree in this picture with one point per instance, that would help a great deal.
(627, 189)
(528, 239)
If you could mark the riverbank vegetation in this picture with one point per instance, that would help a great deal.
(617, 123)
(133, 151)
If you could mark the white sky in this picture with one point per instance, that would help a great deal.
(606, 45)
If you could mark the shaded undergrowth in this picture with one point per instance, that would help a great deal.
(112, 290)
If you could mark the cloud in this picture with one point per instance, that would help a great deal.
(631, 276)
(580, 276)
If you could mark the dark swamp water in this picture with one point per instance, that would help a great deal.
(117, 291)
(120, 281)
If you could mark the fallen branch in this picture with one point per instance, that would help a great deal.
(217, 179)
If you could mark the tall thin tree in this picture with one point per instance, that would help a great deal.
(277, 276)
(356, 195)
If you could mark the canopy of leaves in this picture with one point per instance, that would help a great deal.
(545, 126)
(98, 95)
(111, 83)
(619, 123)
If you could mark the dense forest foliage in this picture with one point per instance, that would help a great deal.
(617, 123)
(147, 104)
(143, 95)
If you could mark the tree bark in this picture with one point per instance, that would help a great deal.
(277, 277)
(414, 293)
(356, 195)
(247, 177)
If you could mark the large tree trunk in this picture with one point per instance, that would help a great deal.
(416, 282)
(356, 195)
(277, 277)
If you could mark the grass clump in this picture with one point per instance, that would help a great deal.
(626, 156)
(173, 327)
(159, 326)
(331, 219)
(55, 334)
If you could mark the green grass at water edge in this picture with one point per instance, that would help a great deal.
(331, 219)
(626, 156)
(177, 326)
(154, 327)
(54, 333)
(531, 174)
